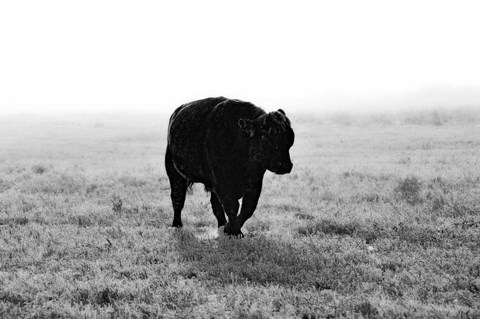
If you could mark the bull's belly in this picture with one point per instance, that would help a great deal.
(196, 174)
(192, 169)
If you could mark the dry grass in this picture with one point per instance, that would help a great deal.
(376, 221)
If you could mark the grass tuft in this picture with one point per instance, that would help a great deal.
(409, 189)
(367, 310)
(13, 298)
(328, 227)
(14, 221)
(39, 169)
(117, 203)
(304, 216)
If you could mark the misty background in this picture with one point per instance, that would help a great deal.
(326, 56)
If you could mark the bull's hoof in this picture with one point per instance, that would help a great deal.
(238, 235)
(177, 225)
(232, 232)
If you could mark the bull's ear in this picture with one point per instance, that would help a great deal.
(281, 111)
(246, 125)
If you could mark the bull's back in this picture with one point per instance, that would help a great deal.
(186, 136)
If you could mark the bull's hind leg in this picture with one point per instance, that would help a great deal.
(178, 189)
(218, 210)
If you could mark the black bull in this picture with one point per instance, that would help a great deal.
(227, 145)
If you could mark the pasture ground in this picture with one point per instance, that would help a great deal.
(377, 220)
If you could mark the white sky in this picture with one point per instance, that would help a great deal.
(96, 55)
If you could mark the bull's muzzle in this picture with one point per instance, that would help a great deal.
(283, 168)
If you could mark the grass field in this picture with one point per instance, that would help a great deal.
(376, 220)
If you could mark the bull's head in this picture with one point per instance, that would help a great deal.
(271, 138)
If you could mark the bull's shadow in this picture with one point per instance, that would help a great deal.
(262, 260)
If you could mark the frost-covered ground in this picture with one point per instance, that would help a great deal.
(377, 219)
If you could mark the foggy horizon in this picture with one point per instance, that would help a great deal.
(428, 98)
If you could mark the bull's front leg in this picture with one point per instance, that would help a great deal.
(249, 203)
(230, 206)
